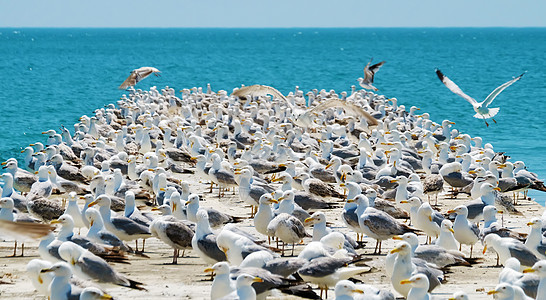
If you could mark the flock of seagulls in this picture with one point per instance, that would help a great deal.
(296, 161)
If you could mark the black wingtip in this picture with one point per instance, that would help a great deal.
(439, 73)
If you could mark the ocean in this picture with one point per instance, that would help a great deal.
(50, 77)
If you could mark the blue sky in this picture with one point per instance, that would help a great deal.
(278, 13)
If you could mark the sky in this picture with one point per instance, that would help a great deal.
(278, 13)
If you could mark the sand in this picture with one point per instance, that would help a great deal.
(188, 281)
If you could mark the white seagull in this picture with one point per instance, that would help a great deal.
(481, 108)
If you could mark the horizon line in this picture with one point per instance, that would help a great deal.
(295, 27)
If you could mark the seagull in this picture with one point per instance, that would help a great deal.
(87, 265)
(172, 232)
(137, 75)
(60, 287)
(419, 287)
(222, 285)
(259, 90)
(481, 108)
(345, 289)
(369, 73)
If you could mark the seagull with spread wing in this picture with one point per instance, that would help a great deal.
(304, 118)
(258, 90)
(137, 75)
(481, 108)
(369, 73)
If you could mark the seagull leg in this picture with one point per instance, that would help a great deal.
(143, 244)
(175, 257)
(293, 244)
(497, 265)
(379, 252)
(471, 247)
(14, 250)
(136, 246)
(211, 183)
(376, 244)
(494, 120)
(22, 249)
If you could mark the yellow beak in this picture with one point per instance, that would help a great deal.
(529, 270)
(451, 229)
(358, 291)
(209, 270)
(257, 279)
(395, 250)
(406, 281)
(493, 292)
(92, 203)
(55, 222)
(397, 237)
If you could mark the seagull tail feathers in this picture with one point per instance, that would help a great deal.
(492, 112)
(135, 285)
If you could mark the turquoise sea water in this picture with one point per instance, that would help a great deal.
(50, 77)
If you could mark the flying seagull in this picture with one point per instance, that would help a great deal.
(369, 73)
(137, 75)
(348, 107)
(259, 90)
(481, 108)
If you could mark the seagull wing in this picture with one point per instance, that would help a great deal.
(454, 88)
(258, 90)
(130, 81)
(498, 90)
(26, 229)
(144, 72)
(137, 75)
(348, 107)
(369, 72)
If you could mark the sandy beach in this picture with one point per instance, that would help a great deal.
(188, 281)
